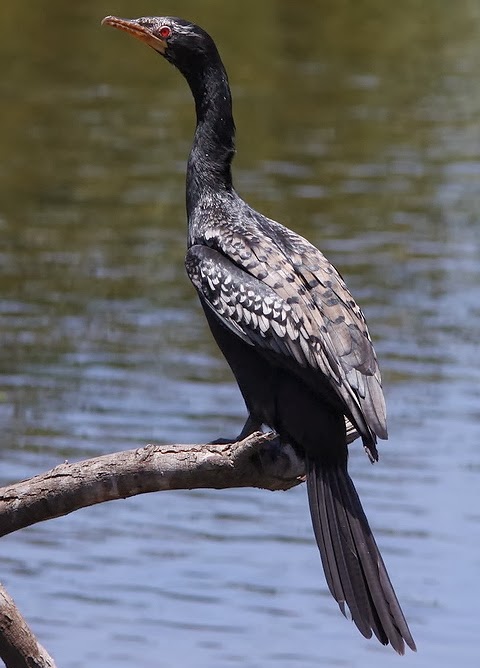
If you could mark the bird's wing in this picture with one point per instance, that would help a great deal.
(258, 293)
(249, 308)
(322, 293)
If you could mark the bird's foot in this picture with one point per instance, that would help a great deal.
(223, 441)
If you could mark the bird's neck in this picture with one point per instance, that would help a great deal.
(209, 163)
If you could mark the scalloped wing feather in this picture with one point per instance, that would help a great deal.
(325, 329)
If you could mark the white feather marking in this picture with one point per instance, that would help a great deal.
(278, 328)
(291, 330)
(263, 323)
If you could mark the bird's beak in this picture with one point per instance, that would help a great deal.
(140, 32)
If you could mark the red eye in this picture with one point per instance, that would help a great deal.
(165, 32)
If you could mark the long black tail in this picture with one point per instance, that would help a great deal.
(354, 568)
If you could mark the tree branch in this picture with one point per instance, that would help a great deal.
(257, 461)
(18, 646)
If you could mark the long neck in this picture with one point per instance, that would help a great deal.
(209, 163)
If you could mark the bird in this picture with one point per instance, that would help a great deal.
(291, 332)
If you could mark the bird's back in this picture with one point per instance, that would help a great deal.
(324, 335)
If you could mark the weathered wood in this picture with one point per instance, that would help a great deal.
(257, 461)
(18, 646)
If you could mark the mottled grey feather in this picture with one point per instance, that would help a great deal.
(320, 325)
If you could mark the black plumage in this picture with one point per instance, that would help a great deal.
(295, 339)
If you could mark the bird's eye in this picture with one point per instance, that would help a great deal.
(165, 32)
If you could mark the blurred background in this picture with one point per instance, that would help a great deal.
(358, 126)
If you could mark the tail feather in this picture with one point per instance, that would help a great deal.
(341, 522)
(344, 579)
(360, 550)
(354, 568)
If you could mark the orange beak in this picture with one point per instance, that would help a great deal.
(140, 32)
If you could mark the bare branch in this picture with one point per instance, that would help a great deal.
(257, 461)
(18, 646)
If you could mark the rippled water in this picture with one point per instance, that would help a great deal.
(358, 125)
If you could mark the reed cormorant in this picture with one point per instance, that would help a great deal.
(295, 339)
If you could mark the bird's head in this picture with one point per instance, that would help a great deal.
(182, 43)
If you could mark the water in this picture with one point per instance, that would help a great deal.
(358, 127)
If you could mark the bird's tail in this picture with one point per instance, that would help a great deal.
(354, 568)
